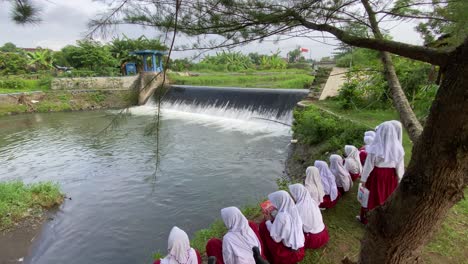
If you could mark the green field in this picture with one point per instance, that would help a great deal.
(288, 78)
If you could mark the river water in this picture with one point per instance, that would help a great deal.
(122, 207)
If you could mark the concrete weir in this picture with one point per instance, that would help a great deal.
(145, 84)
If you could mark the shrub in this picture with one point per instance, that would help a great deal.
(314, 126)
(13, 83)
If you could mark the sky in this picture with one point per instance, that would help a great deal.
(65, 21)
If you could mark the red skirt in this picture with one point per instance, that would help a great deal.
(214, 247)
(314, 241)
(381, 184)
(328, 203)
(355, 176)
(196, 251)
(341, 191)
(363, 156)
(278, 253)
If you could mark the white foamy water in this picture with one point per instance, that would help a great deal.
(260, 122)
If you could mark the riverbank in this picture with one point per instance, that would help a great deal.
(313, 126)
(74, 100)
(23, 210)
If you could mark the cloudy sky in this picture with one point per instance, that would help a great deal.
(64, 22)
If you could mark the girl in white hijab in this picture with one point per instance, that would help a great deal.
(236, 246)
(315, 233)
(314, 185)
(329, 184)
(384, 166)
(353, 162)
(179, 250)
(342, 176)
(240, 238)
(283, 237)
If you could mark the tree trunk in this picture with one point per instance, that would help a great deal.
(434, 181)
(407, 116)
(400, 101)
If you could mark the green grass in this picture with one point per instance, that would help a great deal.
(20, 85)
(291, 78)
(18, 200)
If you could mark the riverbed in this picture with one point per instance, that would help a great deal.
(126, 195)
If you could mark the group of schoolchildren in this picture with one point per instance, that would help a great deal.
(295, 223)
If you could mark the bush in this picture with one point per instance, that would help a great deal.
(13, 83)
(314, 126)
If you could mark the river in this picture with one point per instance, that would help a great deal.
(122, 204)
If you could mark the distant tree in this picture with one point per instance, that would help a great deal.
(8, 47)
(90, 55)
(294, 55)
(255, 57)
(13, 63)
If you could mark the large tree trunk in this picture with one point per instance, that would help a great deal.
(400, 101)
(434, 181)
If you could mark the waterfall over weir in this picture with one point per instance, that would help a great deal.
(229, 103)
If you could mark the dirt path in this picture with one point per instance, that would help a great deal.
(334, 82)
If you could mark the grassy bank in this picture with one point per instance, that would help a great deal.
(289, 78)
(19, 201)
(57, 101)
(21, 85)
(322, 132)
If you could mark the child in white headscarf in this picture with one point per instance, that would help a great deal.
(236, 246)
(384, 166)
(179, 250)
(342, 176)
(353, 162)
(329, 185)
(313, 184)
(315, 232)
(368, 138)
(283, 236)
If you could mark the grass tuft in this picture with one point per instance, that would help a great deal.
(19, 200)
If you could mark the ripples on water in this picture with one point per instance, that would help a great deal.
(121, 212)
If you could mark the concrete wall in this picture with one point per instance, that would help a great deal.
(94, 83)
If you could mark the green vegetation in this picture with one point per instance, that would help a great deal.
(57, 101)
(288, 78)
(366, 87)
(19, 85)
(18, 200)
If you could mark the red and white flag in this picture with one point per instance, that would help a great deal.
(304, 49)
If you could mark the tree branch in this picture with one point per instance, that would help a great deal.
(429, 55)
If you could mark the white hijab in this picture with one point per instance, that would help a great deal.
(369, 133)
(287, 226)
(386, 144)
(313, 184)
(368, 141)
(240, 238)
(343, 178)
(328, 179)
(312, 221)
(399, 129)
(179, 250)
(352, 161)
